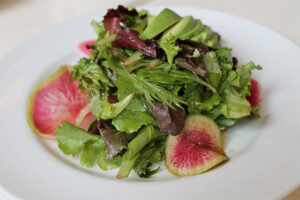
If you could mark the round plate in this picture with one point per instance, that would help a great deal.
(264, 154)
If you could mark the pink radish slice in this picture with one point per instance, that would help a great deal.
(83, 47)
(54, 100)
(87, 121)
(254, 97)
(197, 149)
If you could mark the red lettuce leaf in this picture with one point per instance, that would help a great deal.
(170, 121)
(115, 141)
(112, 19)
(127, 38)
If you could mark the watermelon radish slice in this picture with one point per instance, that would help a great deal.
(54, 100)
(83, 47)
(85, 121)
(254, 97)
(197, 149)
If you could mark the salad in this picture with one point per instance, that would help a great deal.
(152, 88)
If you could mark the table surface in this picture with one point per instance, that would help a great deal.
(20, 19)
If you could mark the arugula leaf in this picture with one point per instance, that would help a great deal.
(173, 76)
(72, 139)
(150, 90)
(168, 45)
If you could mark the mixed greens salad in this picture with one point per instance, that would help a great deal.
(146, 76)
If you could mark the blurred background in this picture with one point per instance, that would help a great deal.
(21, 19)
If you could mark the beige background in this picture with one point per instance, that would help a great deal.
(20, 19)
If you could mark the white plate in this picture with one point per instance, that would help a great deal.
(264, 154)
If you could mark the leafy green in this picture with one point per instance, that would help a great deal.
(150, 156)
(244, 74)
(255, 112)
(153, 95)
(199, 99)
(213, 68)
(173, 76)
(160, 23)
(237, 105)
(110, 111)
(223, 121)
(208, 102)
(168, 45)
(90, 75)
(131, 121)
(138, 22)
(143, 167)
(133, 58)
(127, 165)
(106, 164)
(150, 90)
(224, 58)
(114, 140)
(72, 139)
(102, 109)
(144, 136)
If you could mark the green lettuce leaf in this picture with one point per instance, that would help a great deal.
(144, 136)
(223, 121)
(213, 68)
(237, 105)
(224, 58)
(168, 45)
(150, 156)
(134, 115)
(144, 166)
(72, 139)
(106, 164)
(110, 111)
(91, 76)
(131, 121)
(244, 77)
